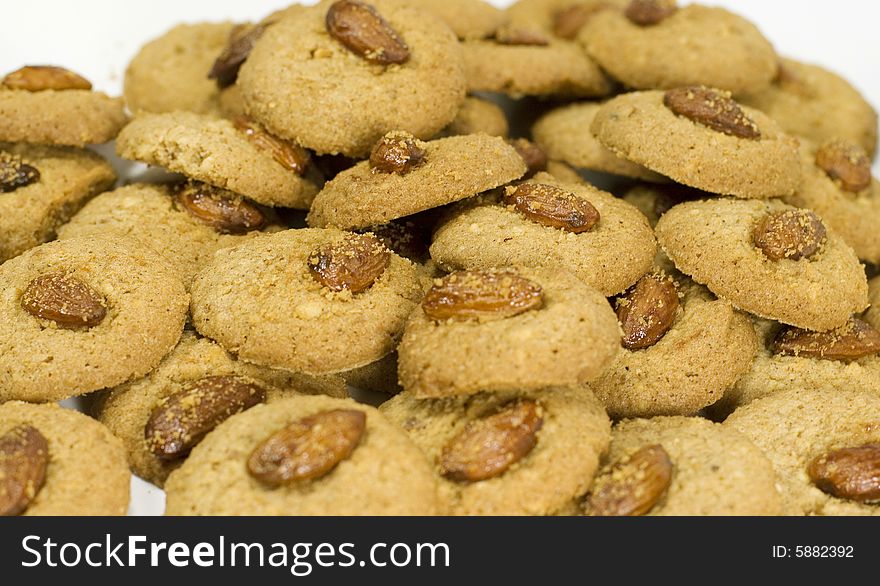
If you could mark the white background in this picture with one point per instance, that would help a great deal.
(97, 38)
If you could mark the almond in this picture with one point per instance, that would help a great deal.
(14, 173)
(481, 295)
(216, 208)
(712, 108)
(180, 421)
(242, 39)
(289, 155)
(533, 155)
(790, 234)
(568, 22)
(647, 311)
(650, 12)
(24, 457)
(487, 447)
(308, 448)
(848, 473)
(852, 341)
(397, 152)
(64, 299)
(36, 78)
(520, 36)
(633, 486)
(847, 163)
(551, 206)
(353, 263)
(363, 31)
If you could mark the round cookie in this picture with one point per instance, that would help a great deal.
(143, 305)
(468, 19)
(557, 68)
(86, 473)
(817, 104)
(126, 409)
(568, 339)
(214, 151)
(573, 433)
(454, 168)
(559, 18)
(31, 212)
(478, 116)
(260, 301)
(640, 128)
(385, 474)
(794, 426)
(696, 45)
(306, 86)
(712, 241)
(610, 257)
(708, 345)
(715, 471)
(171, 72)
(564, 134)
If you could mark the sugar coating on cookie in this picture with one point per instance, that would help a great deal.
(87, 473)
(214, 151)
(385, 473)
(126, 409)
(574, 432)
(453, 169)
(304, 85)
(144, 303)
(696, 45)
(260, 301)
(570, 338)
(640, 128)
(795, 426)
(706, 349)
(713, 242)
(610, 257)
(478, 116)
(67, 178)
(468, 19)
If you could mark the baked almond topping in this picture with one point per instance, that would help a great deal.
(37, 78)
(846, 163)
(650, 12)
(633, 486)
(64, 299)
(24, 458)
(551, 206)
(481, 295)
(854, 340)
(289, 155)
(215, 207)
(849, 473)
(647, 311)
(397, 152)
(14, 173)
(363, 31)
(790, 234)
(353, 263)
(712, 108)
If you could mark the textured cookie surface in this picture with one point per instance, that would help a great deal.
(476, 116)
(468, 19)
(385, 474)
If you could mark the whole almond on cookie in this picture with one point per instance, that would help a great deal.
(711, 108)
(352, 264)
(551, 206)
(14, 173)
(481, 295)
(633, 486)
(847, 163)
(650, 12)
(397, 152)
(647, 311)
(790, 234)
(849, 473)
(64, 299)
(224, 214)
(37, 78)
(857, 339)
(363, 31)
(24, 457)
(289, 155)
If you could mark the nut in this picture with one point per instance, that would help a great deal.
(481, 295)
(533, 155)
(242, 39)
(712, 108)
(180, 421)
(487, 447)
(405, 238)
(363, 31)
(353, 263)
(227, 215)
(397, 152)
(24, 457)
(36, 78)
(568, 22)
(650, 12)
(64, 299)
(852, 341)
(647, 311)
(308, 448)
(845, 162)
(633, 486)
(14, 173)
(521, 36)
(790, 234)
(289, 155)
(849, 473)
(551, 206)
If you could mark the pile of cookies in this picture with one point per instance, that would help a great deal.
(345, 205)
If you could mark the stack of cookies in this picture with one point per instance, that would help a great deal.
(398, 199)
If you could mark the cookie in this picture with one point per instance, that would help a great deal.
(437, 172)
(694, 45)
(236, 156)
(610, 256)
(478, 116)
(682, 348)
(541, 449)
(85, 314)
(168, 219)
(815, 103)
(468, 19)
(564, 134)
(506, 330)
(556, 18)
(654, 200)
(815, 281)
(201, 372)
(682, 466)
(305, 85)
(758, 162)
(170, 72)
(78, 466)
(370, 468)
(40, 188)
(797, 429)
(313, 301)
(54, 106)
